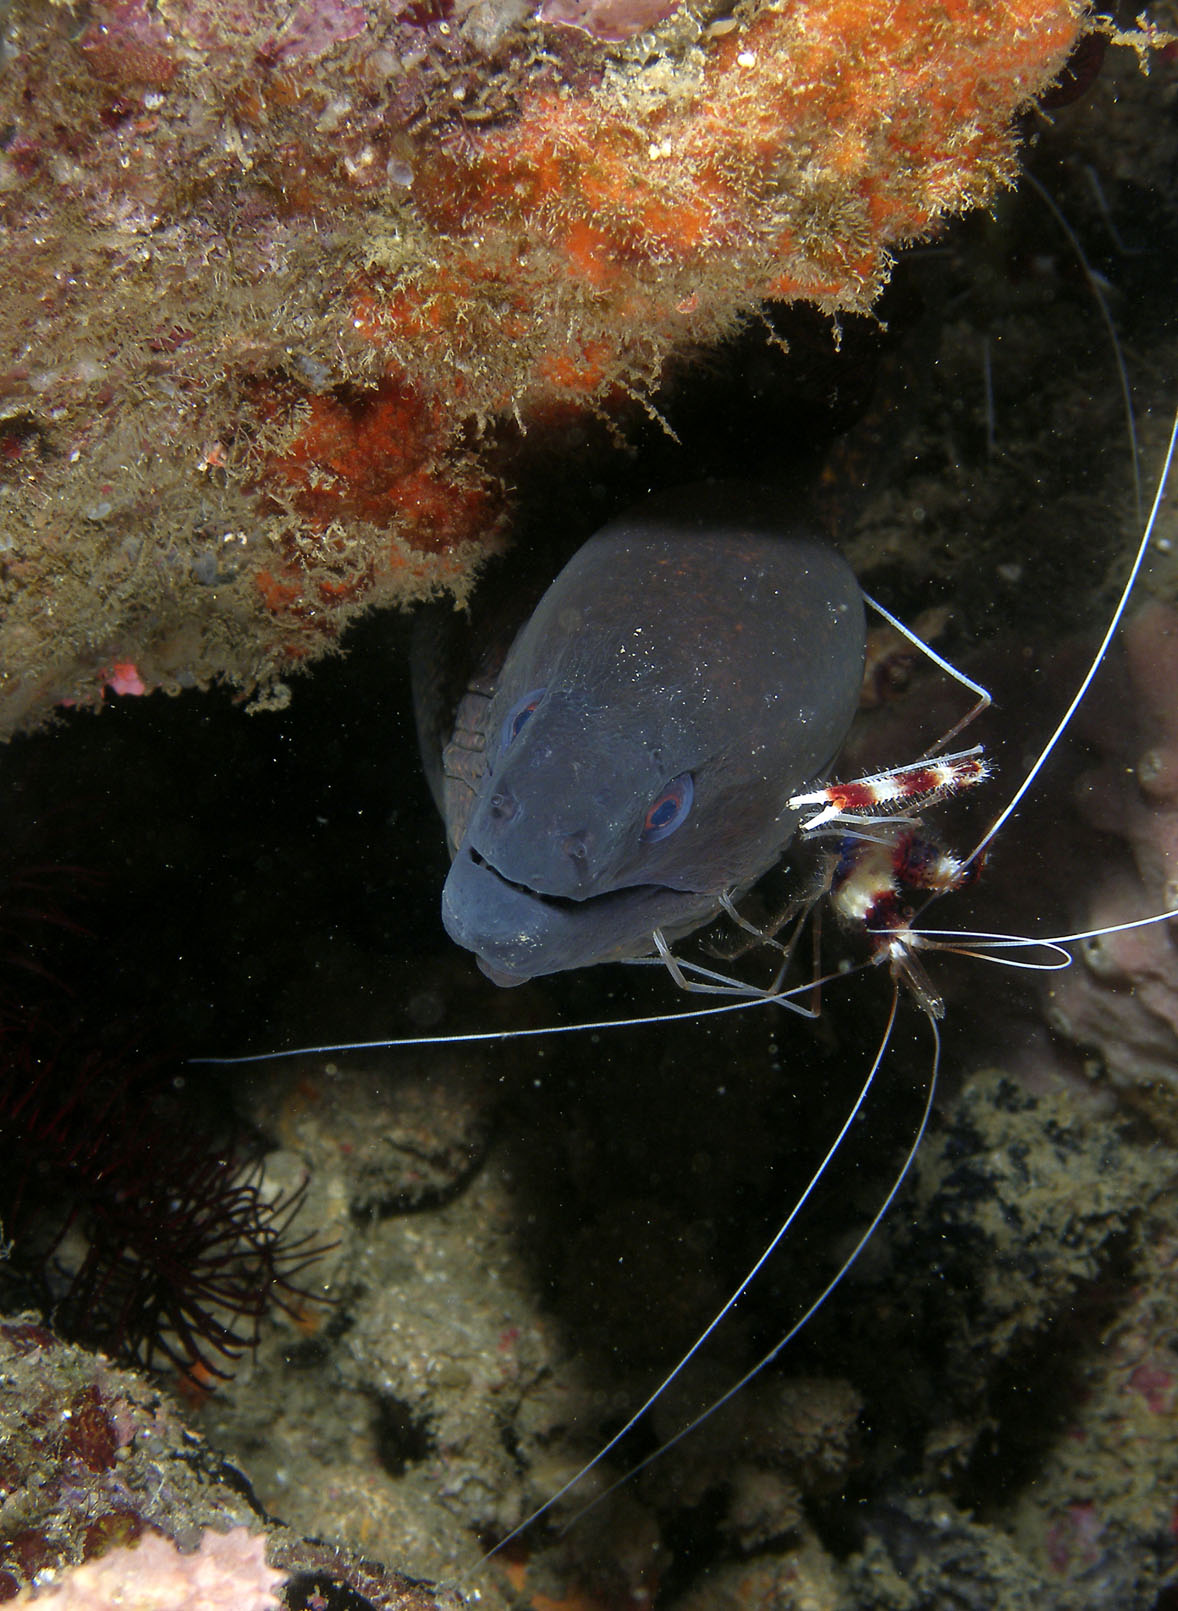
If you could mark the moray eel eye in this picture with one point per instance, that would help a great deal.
(668, 810)
(517, 717)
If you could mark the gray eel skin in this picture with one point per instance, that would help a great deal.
(695, 664)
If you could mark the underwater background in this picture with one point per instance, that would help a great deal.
(464, 1266)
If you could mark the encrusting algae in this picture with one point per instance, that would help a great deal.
(283, 282)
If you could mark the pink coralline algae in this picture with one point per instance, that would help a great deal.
(123, 678)
(286, 284)
(608, 19)
(1121, 998)
(228, 1572)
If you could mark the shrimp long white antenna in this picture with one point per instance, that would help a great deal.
(977, 943)
(739, 1292)
(752, 997)
(1097, 659)
(472, 1037)
(800, 1324)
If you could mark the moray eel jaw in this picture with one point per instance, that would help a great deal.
(518, 933)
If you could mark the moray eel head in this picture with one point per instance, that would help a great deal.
(690, 669)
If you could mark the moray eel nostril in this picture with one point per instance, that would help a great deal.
(695, 664)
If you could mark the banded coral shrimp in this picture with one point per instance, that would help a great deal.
(778, 1517)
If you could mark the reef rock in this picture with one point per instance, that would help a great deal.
(108, 1500)
(1121, 998)
(282, 279)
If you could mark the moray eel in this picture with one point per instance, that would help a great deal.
(696, 664)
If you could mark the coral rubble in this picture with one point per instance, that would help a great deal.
(283, 282)
(107, 1499)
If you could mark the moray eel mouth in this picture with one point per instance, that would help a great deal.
(518, 933)
(569, 902)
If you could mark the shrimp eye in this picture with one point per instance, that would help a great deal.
(668, 809)
(517, 716)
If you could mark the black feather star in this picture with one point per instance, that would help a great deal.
(129, 1220)
(128, 1225)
